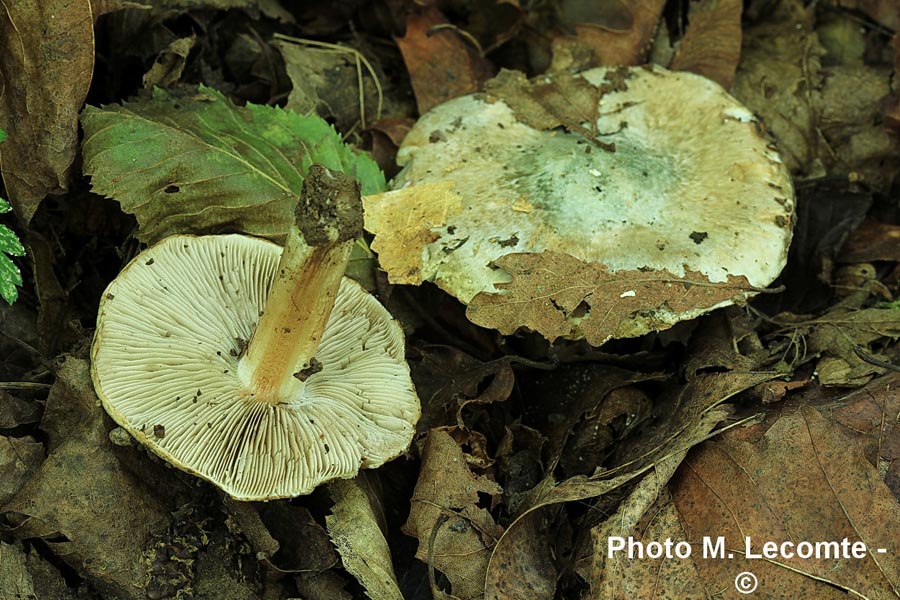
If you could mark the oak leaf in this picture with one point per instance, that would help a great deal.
(558, 295)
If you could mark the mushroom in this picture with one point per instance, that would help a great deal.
(659, 171)
(262, 371)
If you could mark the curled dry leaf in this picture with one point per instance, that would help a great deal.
(46, 64)
(693, 412)
(455, 534)
(168, 66)
(558, 295)
(354, 529)
(712, 43)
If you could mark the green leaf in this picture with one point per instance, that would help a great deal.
(199, 164)
(10, 277)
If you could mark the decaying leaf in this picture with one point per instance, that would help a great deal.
(333, 81)
(561, 102)
(90, 511)
(872, 241)
(822, 108)
(19, 459)
(442, 64)
(866, 416)
(802, 480)
(402, 223)
(610, 577)
(455, 534)
(354, 530)
(15, 580)
(712, 43)
(199, 164)
(450, 380)
(838, 335)
(692, 412)
(168, 66)
(15, 411)
(882, 11)
(573, 407)
(621, 32)
(269, 8)
(46, 64)
(558, 296)
(524, 567)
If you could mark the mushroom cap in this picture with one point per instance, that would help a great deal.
(170, 331)
(693, 185)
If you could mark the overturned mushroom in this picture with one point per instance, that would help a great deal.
(630, 170)
(263, 371)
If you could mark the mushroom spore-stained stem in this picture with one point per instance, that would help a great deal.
(281, 353)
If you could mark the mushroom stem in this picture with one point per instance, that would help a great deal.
(281, 353)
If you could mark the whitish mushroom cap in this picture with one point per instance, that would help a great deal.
(169, 333)
(693, 184)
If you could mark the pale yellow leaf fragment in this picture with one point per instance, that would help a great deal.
(354, 529)
(404, 223)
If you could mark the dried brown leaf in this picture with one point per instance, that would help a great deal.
(712, 43)
(442, 63)
(692, 414)
(883, 11)
(566, 101)
(872, 241)
(867, 415)
(621, 579)
(46, 64)
(19, 459)
(455, 534)
(524, 566)
(326, 80)
(168, 66)
(557, 295)
(838, 334)
(803, 480)
(623, 35)
(92, 512)
(610, 577)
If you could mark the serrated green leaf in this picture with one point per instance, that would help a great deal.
(10, 277)
(9, 243)
(199, 164)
